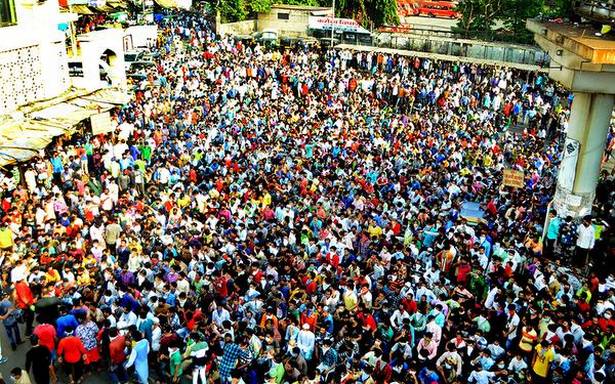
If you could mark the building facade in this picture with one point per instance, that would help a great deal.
(33, 62)
(289, 20)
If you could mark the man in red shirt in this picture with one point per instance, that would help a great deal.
(71, 353)
(117, 355)
(46, 334)
(24, 300)
(220, 285)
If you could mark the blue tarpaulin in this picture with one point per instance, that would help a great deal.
(472, 211)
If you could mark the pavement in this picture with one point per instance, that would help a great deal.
(18, 359)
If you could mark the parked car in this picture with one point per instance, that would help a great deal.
(267, 37)
(329, 42)
(137, 58)
(297, 42)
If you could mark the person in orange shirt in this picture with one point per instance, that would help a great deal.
(269, 316)
(24, 300)
(72, 354)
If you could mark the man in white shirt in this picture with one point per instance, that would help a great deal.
(512, 323)
(306, 341)
(480, 376)
(127, 319)
(586, 237)
(220, 315)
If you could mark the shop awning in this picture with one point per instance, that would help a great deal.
(21, 139)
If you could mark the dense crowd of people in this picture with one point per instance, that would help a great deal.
(297, 216)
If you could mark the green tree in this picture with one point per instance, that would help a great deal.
(231, 10)
(366, 12)
(257, 6)
(238, 10)
(516, 12)
(479, 17)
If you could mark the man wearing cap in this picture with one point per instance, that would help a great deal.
(306, 341)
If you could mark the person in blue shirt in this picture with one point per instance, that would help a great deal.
(552, 234)
(58, 168)
(65, 321)
(9, 316)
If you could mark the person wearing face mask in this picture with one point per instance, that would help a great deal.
(449, 364)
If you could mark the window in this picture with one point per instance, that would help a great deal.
(283, 16)
(7, 13)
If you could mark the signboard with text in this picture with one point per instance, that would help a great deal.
(568, 166)
(513, 178)
(101, 123)
(324, 23)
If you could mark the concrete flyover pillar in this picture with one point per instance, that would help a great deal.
(585, 140)
(583, 62)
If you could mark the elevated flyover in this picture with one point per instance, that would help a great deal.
(582, 60)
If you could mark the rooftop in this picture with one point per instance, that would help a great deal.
(582, 40)
(299, 7)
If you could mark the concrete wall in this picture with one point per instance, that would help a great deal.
(93, 45)
(295, 25)
(33, 62)
(142, 35)
(238, 28)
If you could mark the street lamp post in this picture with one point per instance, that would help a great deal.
(333, 23)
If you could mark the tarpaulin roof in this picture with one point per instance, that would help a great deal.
(174, 3)
(81, 9)
(119, 4)
(21, 139)
(86, 7)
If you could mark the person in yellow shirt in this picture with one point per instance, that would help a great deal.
(374, 230)
(350, 299)
(52, 276)
(88, 261)
(6, 237)
(528, 339)
(83, 277)
(183, 201)
(542, 359)
(487, 160)
(266, 200)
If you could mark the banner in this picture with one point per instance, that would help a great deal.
(568, 166)
(513, 178)
(343, 25)
(101, 123)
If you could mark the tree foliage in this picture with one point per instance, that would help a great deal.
(480, 17)
(367, 12)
